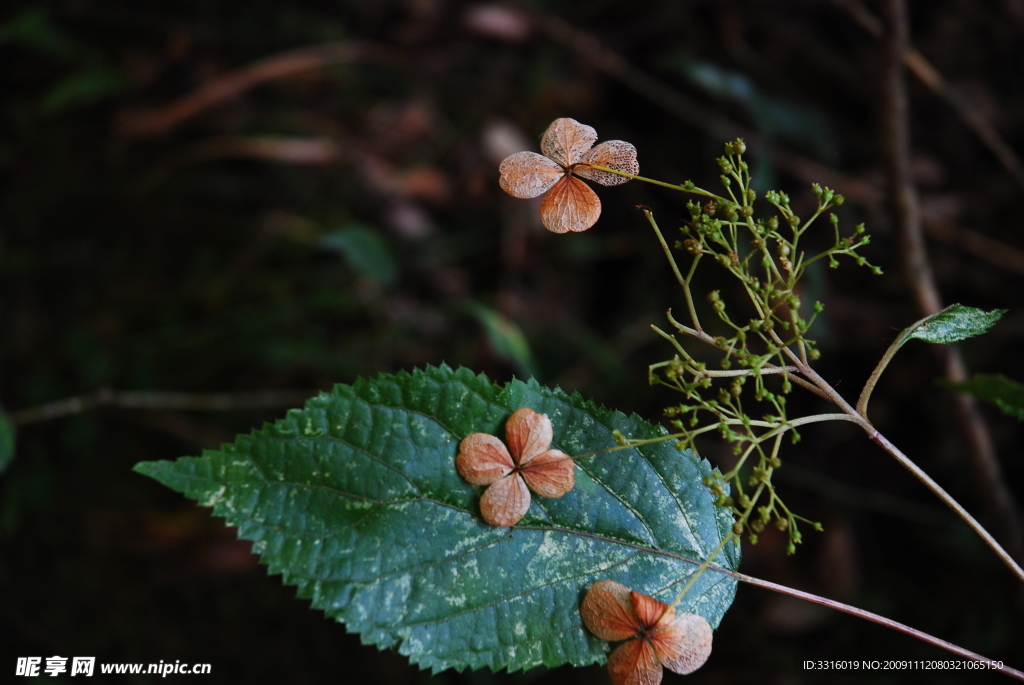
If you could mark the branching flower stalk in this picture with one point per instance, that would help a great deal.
(765, 350)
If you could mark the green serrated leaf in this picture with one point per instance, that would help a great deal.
(953, 324)
(6, 441)
(355, 499)
(1006, 394)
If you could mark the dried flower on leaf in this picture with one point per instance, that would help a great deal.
(657, 636)
(569, 203)
(526, 464)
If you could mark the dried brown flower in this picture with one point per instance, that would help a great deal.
(656, 635)
(526, 464)
(569, 204)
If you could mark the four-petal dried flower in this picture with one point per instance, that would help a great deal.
(483, 459)
(657, 636)
(569, 203)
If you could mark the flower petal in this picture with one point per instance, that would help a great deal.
(527, 174)
(505, 502)
(608, 613)
(566, 141)
(528, 434)
(483, 459)
(550, 474)
(614, 154)
(683, 644)
(570, 205)
(634, 663)
(649, 610)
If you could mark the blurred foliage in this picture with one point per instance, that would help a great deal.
(151, 240)
(7, 434)
(999, 390)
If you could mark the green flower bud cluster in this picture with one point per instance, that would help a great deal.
(758, 334)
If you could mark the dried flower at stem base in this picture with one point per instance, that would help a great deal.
(526, 464)
(569, 204)
(656, 635)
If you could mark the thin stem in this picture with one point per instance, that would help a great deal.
(869, 386)
(869, 616)
(980, 450)
(703, 567)
(803, 421)
(858, 418)
(839, 606)
(698, 334)
(818, 418)
(686, 290)
(683, 283)
(672, 339)
(686, 189)
(766, 370)
(721, 546)
(948, 500)
(810, 386)
(830, 392)
(630, 445)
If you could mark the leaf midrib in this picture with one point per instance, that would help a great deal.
(555, 529)
(455, 435)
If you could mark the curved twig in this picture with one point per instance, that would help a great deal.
(159, 400)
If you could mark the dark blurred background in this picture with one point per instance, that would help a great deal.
(235, 197)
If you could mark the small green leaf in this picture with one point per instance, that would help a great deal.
(953, 324)
(999, 390)
(355, 500)
(6, 441)
(365, 251)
